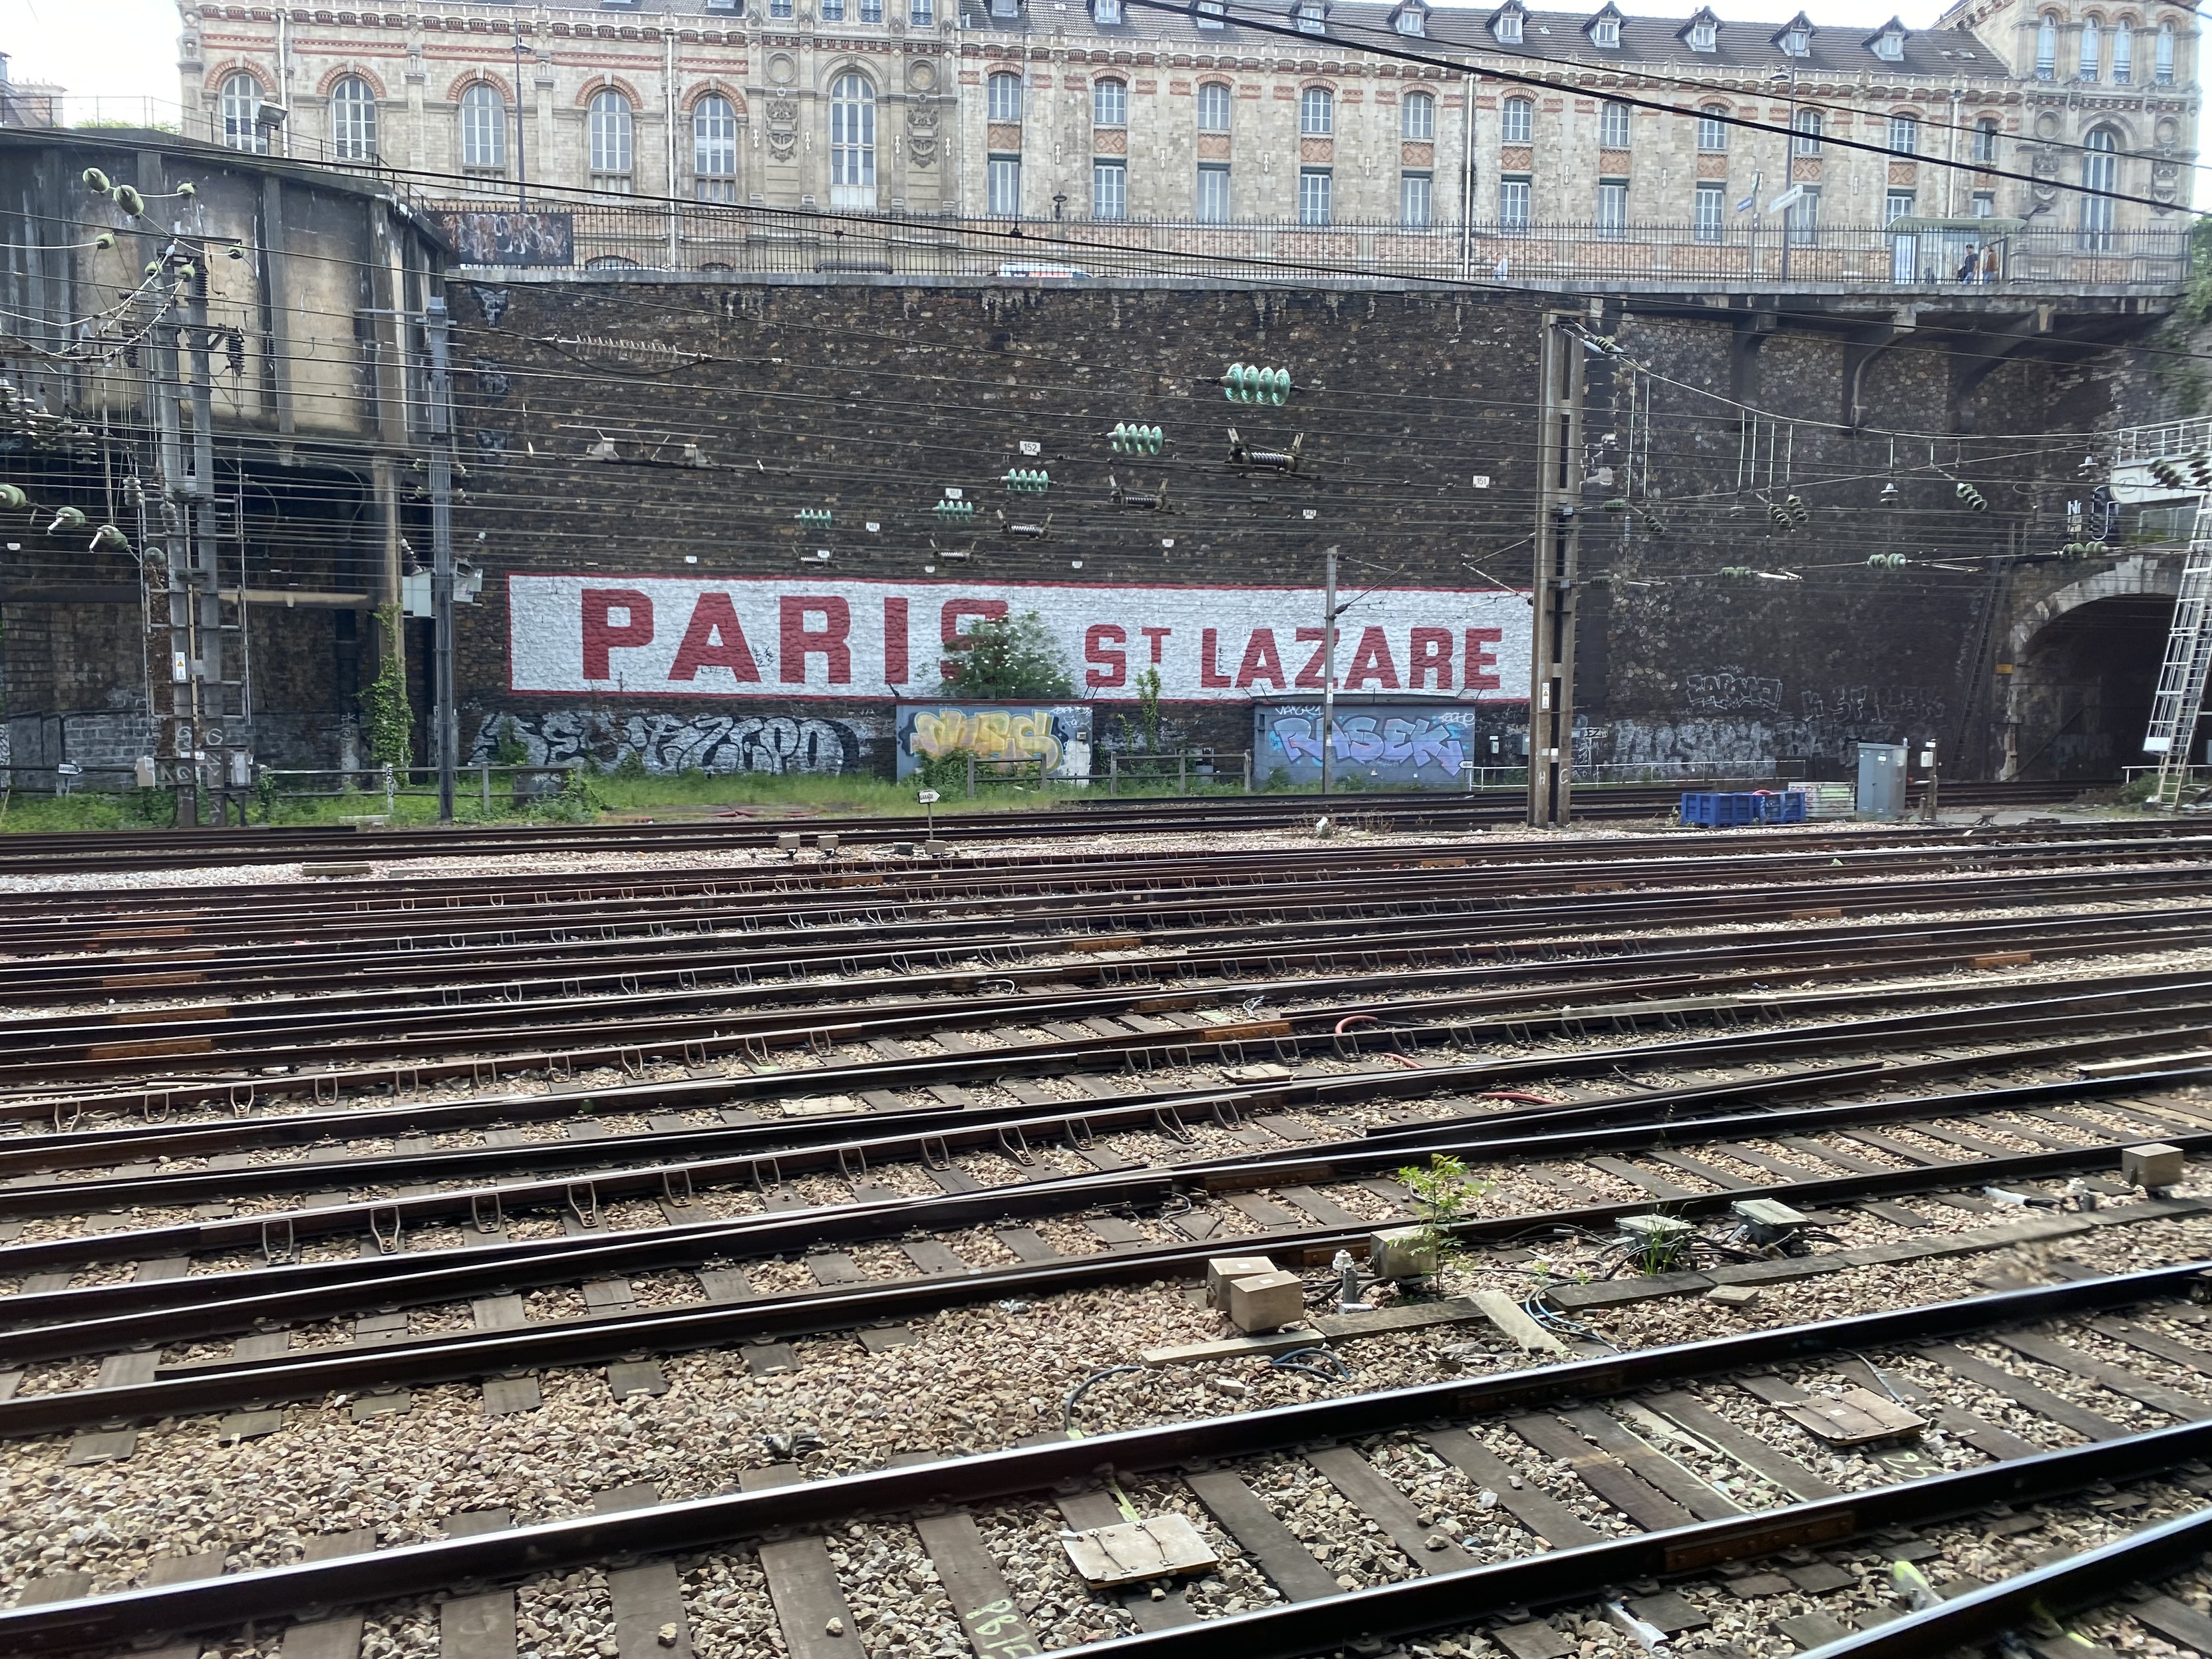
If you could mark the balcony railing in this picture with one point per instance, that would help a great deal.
(607, 235)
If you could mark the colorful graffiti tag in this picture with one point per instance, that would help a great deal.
(668, 742)
(1057, 733)
(1421, 746)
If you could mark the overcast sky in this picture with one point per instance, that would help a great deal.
(127, 48)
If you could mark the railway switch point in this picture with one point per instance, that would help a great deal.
(2154, 1167)
(1221, 1269)
(1266, 1302)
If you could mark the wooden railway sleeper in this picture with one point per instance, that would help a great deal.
(1017, 1148)
(386, 1243)
(675, 1186)
(270, 1253)
(477, 1214)
(587, 1217)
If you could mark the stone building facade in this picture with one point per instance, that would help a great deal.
(1105, 109)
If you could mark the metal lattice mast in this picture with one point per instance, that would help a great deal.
(2180, 695)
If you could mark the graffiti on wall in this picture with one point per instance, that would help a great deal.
(1403, 745)
(824, 636)
(1057, 733)
(679, 743)
(1731, 689)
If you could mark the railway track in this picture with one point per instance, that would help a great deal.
(803, 1305)
(97, 851)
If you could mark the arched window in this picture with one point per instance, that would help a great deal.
(2124, 51)
(852, 142)
(1985, 138)
(2092, 50)
(1712, 131)
(1214, 106)
(2046, 46)
(353, 120)
(484, 129)
(1905, 134)
(2101, 172)
(1516, 122)
(1316, 112)
(1807, 141)
(1005, 98)
(1612, 126)
(240, 102)
(1110, 103)
(1418, 119)
(714, 149)
(2162, 63)
(609, 132)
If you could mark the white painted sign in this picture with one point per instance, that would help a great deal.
(817, 636)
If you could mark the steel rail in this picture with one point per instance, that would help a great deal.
(404, 910)
(2121, 998)
(2081, 1580)
(276, 1594)
(112, 1318)
(129, 849)
(1876, 952)
(113, 1051)
(525, 968)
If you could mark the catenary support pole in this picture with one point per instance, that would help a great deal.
(1327, 670)
(445, 720)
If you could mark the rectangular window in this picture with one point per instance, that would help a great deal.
(1513, 204)
(1416, 117)
(1212, 193)
(1109, 104)
(1985, 205)
(1005, 183)
(1611, 206)
(1212, 15)
(1213, 107)
(2162, 56)
(1613, 127)
(1516, 123)
(1606, 32)
(1807, 141)
(1110, 189)
(871, 11)
(779, 7)
(833, 11)
(1413, 197)
(1905, 134)
(1508, 28)
(1712, 132)
(1314, 185)
(1106, 13)
(1986, 139)
(1898, 204)
(1707, 211)
(1803, 216)
(1316, 112)
(2123, 55)
(921, 14)
(1005, 98)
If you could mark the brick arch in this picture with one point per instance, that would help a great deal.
(223, 72)
(600, 83)
(352, 72)
(1908, 112)
(480, 77)
(737, 98)
(2150, 577)
(1112, 72)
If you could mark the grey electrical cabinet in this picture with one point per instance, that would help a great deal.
(1881, 780)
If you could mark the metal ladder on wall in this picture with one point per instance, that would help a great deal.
(2179, 698)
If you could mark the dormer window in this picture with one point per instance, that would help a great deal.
(1105, 12)
(1210, 13)
(1795, 43)
(1411, 20)
(1506, 28)
(1703, 35)
(1313, 18)
(1605, 29)
(1889, 45)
